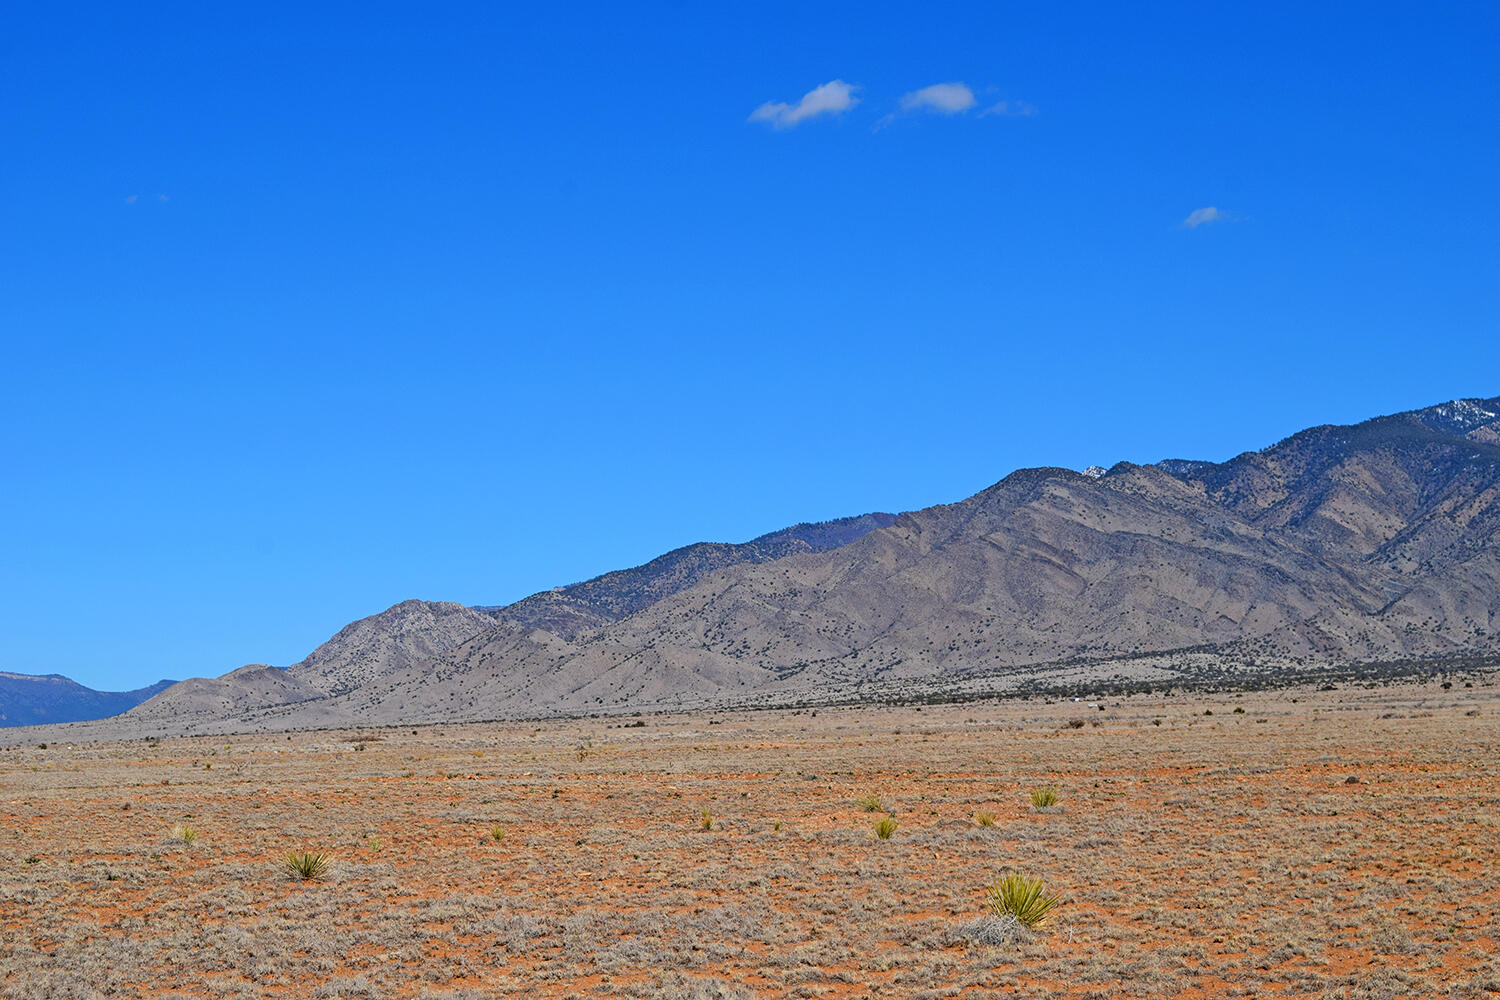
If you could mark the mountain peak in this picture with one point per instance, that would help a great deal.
(1460, 416)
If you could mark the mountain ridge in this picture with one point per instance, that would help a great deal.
(39, 699)
(1339, 544)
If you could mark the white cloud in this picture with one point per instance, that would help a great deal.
(1010, 109)
(833, 98)
(1204, 216)
(132, 199)
(939, 99)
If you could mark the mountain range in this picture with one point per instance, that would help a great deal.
(1338, 546)
(34, 700)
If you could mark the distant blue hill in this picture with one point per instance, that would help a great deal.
(32, 700)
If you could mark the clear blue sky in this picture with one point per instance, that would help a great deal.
(308, 309)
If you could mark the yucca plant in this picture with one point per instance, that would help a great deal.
(1041, 798)
(1025, 899)
(184, 833)
(870, 803)
(984, 818)
(497, 833)
(706, 820)
(308, 866)
(885, 826)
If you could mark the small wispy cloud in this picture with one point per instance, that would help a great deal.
(951, 99)
(1009, 109)
(939, 99)
(1205, 216)
(832, 98)
(131, 199)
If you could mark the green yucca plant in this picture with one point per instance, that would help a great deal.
(885, 826)
(706, 820)
(497, 833)
(184, 833)
(1044, 797)
(984, 818)
(308, 866)
(1025, 899)
(870, 803)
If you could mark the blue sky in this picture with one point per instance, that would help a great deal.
(309, 309)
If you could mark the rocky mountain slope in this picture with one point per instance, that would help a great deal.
(412, 633)
(33, 699)
(569, 611)
(1339, 545)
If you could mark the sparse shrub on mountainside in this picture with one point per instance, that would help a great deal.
(885, 826)
(984, 818)
(870, 803)
(184, 834)
(1043, 798)
(706, 820)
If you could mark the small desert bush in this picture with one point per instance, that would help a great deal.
(991, 931)
(497, 833)
(984, 818)
(870, 803)
(885, 826)
(307, 866)
(1025, 899)
(706, 820)
(1044, 797)
(184, 834)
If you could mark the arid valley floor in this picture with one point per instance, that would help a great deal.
(1318, 843)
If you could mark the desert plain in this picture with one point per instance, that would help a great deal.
(1291, 843)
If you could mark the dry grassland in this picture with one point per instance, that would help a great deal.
(1223, 855)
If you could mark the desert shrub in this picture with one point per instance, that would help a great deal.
(307, 866)
(885, 826)
(992, 931)
(1044, 797)
(184, 834)
(706, 820)
(984, 818)
(870, 803)
(1075, 723)
(1025, 899)
(497, 833)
